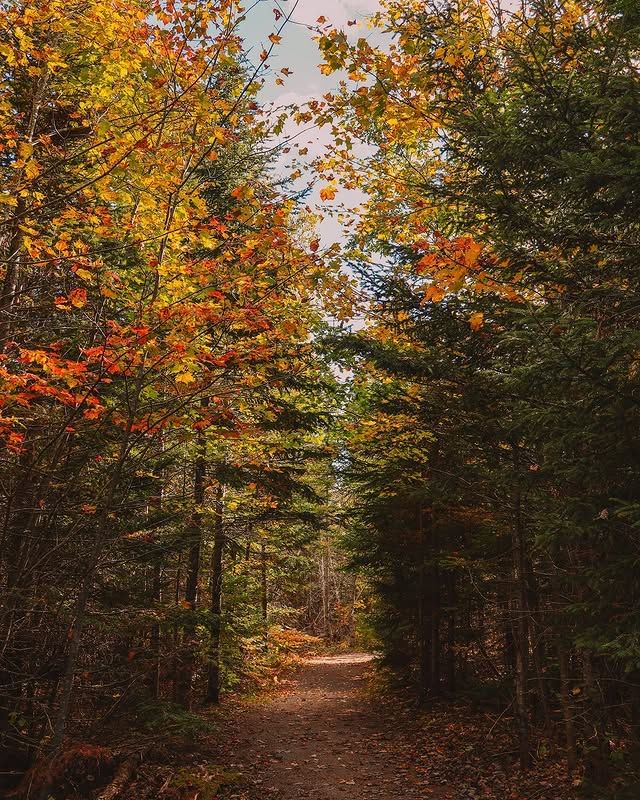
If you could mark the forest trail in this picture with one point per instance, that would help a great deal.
(321, 738)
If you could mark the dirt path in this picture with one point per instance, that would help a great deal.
(321, 738)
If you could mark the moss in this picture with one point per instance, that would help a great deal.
(206, 781)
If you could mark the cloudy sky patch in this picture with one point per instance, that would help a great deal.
(299, 53)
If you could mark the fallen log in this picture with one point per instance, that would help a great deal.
(121, 779)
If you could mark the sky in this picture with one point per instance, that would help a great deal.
(299, 52)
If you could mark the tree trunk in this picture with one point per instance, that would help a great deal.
(435, 630)
(14, 252)
(66, 685)
(213, 684)
(121, 779)
(567, 709)
(155, 630)
(326, 603)
(425, 633)
(634, 716)
(598, 766)
(352, 617)
(537, 634)
(451, 632)
(425, 626)
(264, 587)
(520, 617)
(156, 596)
(184, 675)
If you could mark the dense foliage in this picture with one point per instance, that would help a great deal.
(163, 408)
(493, 460)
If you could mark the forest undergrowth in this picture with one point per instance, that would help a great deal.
(455, 750)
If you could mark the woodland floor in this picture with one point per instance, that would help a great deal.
(325, 735)
(321, 738)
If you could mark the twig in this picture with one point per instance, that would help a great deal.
(493, 727)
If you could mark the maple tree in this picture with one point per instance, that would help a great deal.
(158, 300)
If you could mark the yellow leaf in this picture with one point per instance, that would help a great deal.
(185, 377)
(476, 321)
(220, 135)
(25, 150)
(31, 170)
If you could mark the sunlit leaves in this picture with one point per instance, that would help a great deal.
(142, 273)
(328, 192)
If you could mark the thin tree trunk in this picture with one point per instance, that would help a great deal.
(435, 630)
(425, 627)
(175, 655)
(598, 766)
(520, 613)
(634, 715)
(567, 709)
(451, 632)
(354, 600)
(9, 290)
(66, 685)
(188, 649)
(14, 254)
(77, 627)
(213, 685)
(156, 597)
(264, 587)
(537, 634)
(326, 589)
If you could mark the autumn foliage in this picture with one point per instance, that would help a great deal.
(155, 319)
(222, 437)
